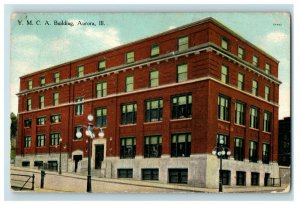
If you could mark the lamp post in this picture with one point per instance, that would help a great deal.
(221, 152)
(60, 145)
(90, 134)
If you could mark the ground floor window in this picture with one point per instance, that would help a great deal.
(150, 174)
(125, 173)
(178, 176)
(25, 164)
(52, 165)
(254, 178)
(226, 177)
(240, 178)
(38, 163)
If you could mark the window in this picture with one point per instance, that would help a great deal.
(224, 74)
(27, 123)
(52, 165)
(101, 117)
(55, 118)
(129, 57)
(152, 147)
(42, 81)
(79, 106)
(38, 164)
(239, 149)
(239, 113)
(41, 140)
(127, 148)
(41, 121)
(183, 43)
(101, 65)
(253, 151)
(101, 89)
(241, 53)
(267, 121)
(181, 145)
(254, 179)
(267, 93)
(28, 141)
(226, 143)
(223, 108)
(154, 50)
(154, 110)
(80, 71)
(56, 77)
(78, 129)
(224, 43)
(225, 177)
(150, 174)
(25, 164)
(255, 87)
(124, 173)
(268, 68)
(54, 138)
(154, 81)
(265, 153)
(254, 117)
(255, 61)
(29, 84)
(55, 98)
(182, 74)
(129, 83)
(240, 81)
(29, 104)
(182, 106)
(178, 176)
(42, 101)
(128, 113)
(240, 178)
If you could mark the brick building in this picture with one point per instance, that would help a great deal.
(164, 103)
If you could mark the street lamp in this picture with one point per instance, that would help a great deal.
(60, 145)
(90, 134)
(221, 152)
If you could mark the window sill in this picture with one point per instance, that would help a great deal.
(128, 125)
(244, 126)
(153, 122)
(228, 122)
(54, 123)
(255, 129)
(41, 125)
(180, 119)
(267, 132)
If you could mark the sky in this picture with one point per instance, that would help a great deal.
(39, 46)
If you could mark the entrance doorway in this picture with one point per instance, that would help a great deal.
(76, 159)
(267, 179)
(99, 155)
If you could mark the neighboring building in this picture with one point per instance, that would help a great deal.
(284, 142)
(164, 102)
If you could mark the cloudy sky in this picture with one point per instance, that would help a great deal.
(39, 46)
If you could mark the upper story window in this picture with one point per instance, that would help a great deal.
(183, 43)
(27, 123)
(41, 121)
(181, 145)
(129, 83)
(267, 121)
(128, 113)
(223, 107)
(266, 153)
(267, 93)
(253, 148)
(241, 53)
(241, 81)
(56, 77)
(101, 89)
(182, 73)
(101, 117)
(255, 87)
(152, 146)
(79, 103)
(27, 141)
(224, 74)
(239, 113)
(42, 101)
(29, 106)
(55, 98)
(101, 65)
(154, 50)
(54, 139)
(41, 140)
(154, 110)
(182, 106)
(29, 84)
(154, 81)
(55, 118)
(42, 81)
(129, 57)
(128, 146)
(78, 129)
(239, 149)
(224, 43)
(254, 118)
(255, 61)
(80, 71)
(268, 68)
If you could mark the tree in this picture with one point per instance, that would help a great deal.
(13, 125)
